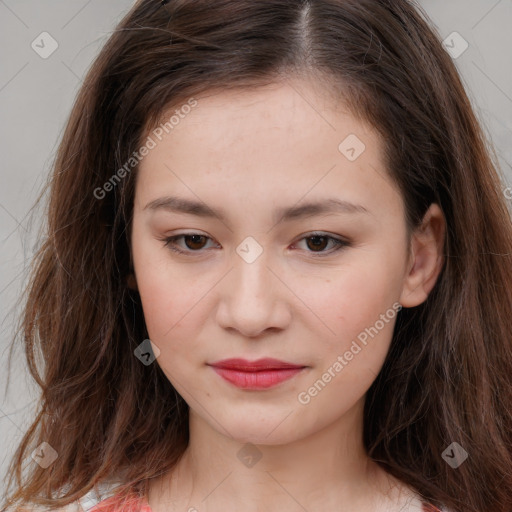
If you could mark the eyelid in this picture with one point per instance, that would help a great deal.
(340, 242)
(169, 239)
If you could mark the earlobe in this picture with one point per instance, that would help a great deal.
(131, 281)
(427, 258)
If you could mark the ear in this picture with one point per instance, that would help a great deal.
(426, 258)
(131, 281)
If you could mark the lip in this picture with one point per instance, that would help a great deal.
(260, 374)
(266, 363)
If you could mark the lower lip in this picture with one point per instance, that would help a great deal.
(257, 380)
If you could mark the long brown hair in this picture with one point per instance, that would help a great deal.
(447, 377)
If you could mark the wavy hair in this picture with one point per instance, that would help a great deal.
(448, 374)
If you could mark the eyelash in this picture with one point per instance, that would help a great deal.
(339, 243)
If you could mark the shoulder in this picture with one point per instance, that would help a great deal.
(431, 508)
(102, 498)
(408, 498)
(74, 507)
(112, 504)
(122, 503)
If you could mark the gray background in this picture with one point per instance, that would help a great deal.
(36, 95)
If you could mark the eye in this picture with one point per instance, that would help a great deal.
(195, 242)
(318, 242)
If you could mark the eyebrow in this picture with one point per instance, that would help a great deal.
(326, 206)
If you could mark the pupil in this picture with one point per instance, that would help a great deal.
(318, 242)
(317, 238)
(194, 240)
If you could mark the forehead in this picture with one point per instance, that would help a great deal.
(278, 106)
(278, 142)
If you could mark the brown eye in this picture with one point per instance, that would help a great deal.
(194, 242)
(317, 242)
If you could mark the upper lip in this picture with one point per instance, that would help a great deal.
(266, 363)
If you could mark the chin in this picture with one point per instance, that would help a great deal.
(263, 438)
(268, 431)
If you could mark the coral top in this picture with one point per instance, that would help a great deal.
(116, 503)
(136, 503)
(426, 508)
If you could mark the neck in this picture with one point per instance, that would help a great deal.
(329, 469)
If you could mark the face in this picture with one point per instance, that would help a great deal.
(296, 251)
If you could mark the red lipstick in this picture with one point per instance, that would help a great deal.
(260, 374)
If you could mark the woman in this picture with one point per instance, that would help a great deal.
(203, 348)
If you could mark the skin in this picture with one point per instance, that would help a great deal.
(250, 153)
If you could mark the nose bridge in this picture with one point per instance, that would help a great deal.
(249, 299)
(253, 280)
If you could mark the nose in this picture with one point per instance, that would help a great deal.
(253, 300)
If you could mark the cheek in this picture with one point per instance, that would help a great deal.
(167, 297)
(362, 317)
(173, 325)
(359, 306)
(170, 311)
(354, 297)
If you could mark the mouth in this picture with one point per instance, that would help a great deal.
(261, 374)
